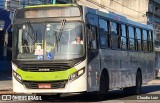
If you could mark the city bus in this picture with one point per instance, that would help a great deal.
(114, 52)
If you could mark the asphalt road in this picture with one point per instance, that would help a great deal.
(116, 96)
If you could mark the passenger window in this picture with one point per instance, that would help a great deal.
(114, 35)
(113, 27)
(138, 34)
(103, 24)
(123, 43)
(145, 40)
(131, 38)
(103, 32)
(131, 32)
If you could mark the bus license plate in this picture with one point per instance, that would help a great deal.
(44, 85)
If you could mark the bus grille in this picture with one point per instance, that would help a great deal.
(54, 84)
(45, 67)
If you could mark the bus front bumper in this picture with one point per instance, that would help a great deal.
(75, 86)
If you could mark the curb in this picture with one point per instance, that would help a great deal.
(6, 91)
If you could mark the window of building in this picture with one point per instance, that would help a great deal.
(123, 37)
(138, 34)
(156, 8)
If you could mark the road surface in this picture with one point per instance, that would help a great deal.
(149, 92)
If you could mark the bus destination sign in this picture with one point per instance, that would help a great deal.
(52, 12)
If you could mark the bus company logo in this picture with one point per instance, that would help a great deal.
(44, 69)
(6, 97)
(44, 77)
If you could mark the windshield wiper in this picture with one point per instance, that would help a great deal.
(32, 34)
(32, 30)
(58, 33)
(61, 29)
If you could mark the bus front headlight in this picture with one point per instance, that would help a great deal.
(17, 77)
(77, 74)
(14, 67)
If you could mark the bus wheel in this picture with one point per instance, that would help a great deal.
(135, 89)
(138, 83)
(104, 86)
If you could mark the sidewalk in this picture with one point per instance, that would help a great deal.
(156, 81)
(5, 77)
(6, 83)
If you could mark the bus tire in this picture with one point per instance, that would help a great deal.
(104, 86)
(138, 86)
(135, 90)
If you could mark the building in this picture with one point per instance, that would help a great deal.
(154, 19)
(4, 25)
(132, 9)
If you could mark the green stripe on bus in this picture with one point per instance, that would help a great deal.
(45, 76)
(50, 5)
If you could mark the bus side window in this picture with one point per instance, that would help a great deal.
(114, 35)
(138, 32)
(92, 38)
(131, 38)
(145, 47)
(123, 40)
(104, 40)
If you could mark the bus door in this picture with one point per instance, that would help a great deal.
(93, 59)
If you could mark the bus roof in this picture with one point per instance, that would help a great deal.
(117, 17)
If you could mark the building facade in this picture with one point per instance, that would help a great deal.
(132, 9)
(154, 19)
(4, 24)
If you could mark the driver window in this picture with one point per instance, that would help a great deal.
(92, 40)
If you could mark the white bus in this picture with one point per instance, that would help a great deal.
(68, 48)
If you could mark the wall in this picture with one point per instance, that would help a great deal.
(132, 9)
(154, 19)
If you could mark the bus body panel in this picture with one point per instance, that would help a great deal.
(71, 87)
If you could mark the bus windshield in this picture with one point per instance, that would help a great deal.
(48, 41)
